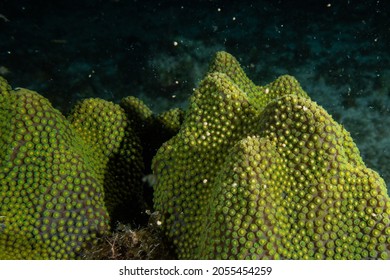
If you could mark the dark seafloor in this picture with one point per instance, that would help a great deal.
(159, 51)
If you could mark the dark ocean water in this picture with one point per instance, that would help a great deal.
(160, 50)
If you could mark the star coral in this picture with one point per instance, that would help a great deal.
(263, 172)
(51, 198)
(252, 172)
(63, 181)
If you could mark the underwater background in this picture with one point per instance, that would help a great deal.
(160, 50)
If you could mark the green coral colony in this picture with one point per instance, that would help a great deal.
(252, 172)
(50, 190)
(263, 172)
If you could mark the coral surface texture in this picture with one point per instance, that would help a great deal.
(263, 172)
(63, 180)
(246, 172)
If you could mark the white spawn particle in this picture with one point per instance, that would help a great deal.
(92, 72)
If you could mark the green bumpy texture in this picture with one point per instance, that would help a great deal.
(50, 197)
(107, 128)
(263, 172)
(62, 180)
